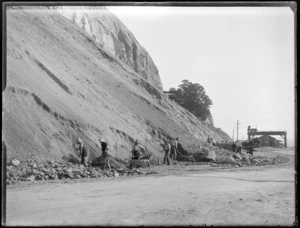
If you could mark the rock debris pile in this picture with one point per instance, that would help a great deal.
(33, 170)
(208, 152)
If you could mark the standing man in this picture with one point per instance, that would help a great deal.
(136, 153)
(233, 146)
(238, 146)
(82, 152)
(174, 149)
(104, 147)
(105, 155)
(167, 152)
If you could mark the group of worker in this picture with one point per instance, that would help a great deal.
(237, 147)
(82, 151)
(170, 149)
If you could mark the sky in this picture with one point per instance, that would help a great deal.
(242, 56)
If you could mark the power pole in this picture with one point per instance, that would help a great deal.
(233, 134)
(237, 130)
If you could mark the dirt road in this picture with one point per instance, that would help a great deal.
(191, 195)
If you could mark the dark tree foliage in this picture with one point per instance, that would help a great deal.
(192, 97)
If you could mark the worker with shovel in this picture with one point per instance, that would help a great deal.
(82, 152)
(167, 150)
(174, 149)
(136, 153)
(105, 156)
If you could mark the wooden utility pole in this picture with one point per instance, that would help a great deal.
(237, 130)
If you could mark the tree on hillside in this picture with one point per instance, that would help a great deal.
(192, 97)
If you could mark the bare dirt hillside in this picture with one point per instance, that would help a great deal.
(62, 84)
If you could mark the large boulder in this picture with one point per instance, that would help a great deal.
(108, 159)
(229, 160)
(237, 156)
(15, 162)
(205, 155)
(30, 178)
(142, 162)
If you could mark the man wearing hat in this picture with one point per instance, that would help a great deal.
(105, 155)
(167, 152)
(104, 147)
(82, 152)
(136, 152)
(174, 148)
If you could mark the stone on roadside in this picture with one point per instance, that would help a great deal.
(205, 155)
(116, 174)
(77, 173)
(15, 162)
(30, 178)
(205, 150)
(229, 160)
(105, 173)
(53, 177)
(70, 175)
(237, 156)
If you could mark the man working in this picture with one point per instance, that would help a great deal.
(82, 152)
(238, 146)
(105, 156)
(136, 153)
(174, 148)
(167, 150)
(233, 146)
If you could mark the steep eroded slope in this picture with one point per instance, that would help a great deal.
(62, 84)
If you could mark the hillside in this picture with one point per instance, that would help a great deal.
(113, 36)
(62, 84)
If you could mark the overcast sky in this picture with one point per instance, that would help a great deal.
(244, 58)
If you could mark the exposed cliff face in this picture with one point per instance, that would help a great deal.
(61, 85)
(113, 36)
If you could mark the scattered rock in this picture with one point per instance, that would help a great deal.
(30, 178)
(229, 160)
(15, 162)
(34, 170)
(205, 155)
(237, 156)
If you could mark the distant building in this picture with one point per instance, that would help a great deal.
(280, 144)
(267, 140)
(168, 93)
